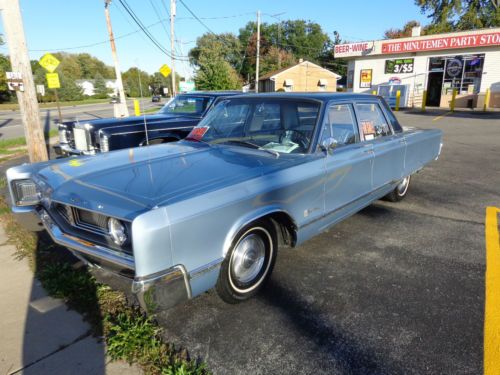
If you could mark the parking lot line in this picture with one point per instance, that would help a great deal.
(441, 116)
(492, 303)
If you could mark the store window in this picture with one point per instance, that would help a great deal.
(462, 73)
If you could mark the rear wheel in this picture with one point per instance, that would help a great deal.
(399, 191)
(248, 263)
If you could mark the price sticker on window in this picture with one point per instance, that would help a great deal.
(368, 129)
(198, 133)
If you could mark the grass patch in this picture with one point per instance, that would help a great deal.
(128, 333)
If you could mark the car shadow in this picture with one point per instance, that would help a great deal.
(476, 114)
(56, 338)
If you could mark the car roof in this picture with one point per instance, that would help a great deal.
(211, 93)
(322, 96)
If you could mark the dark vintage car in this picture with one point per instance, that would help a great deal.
(171, 123)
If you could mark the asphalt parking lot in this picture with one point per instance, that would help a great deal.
(396, 288)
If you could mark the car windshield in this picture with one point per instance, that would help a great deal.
(187, 104)
(277, 125)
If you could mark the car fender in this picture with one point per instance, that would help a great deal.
(248, 218)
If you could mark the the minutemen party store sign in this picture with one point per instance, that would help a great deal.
(451, 42)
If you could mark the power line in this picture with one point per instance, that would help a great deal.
(92, 44)
(136, 19)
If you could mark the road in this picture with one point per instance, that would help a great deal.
(396, 289)
(11, 125)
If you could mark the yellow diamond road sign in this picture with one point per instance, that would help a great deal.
(49, 62)
(53, 80)
(165, 70)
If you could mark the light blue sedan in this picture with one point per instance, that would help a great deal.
(259, 173)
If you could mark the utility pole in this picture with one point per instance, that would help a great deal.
(258, 53)
(122, 106)
(20, 61)
(172, 45)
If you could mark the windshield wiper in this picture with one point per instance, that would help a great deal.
(243, 143)
(253, 145)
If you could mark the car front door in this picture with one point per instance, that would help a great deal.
(349, 164)
(388, 147)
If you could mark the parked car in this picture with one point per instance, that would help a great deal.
(171, 123)
(114, 100)
(156, 98)
(263, 171)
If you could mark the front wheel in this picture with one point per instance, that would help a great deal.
(399, 191)
(248, 263)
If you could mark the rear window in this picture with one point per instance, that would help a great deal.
(392, 119)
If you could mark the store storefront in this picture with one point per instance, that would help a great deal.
(468, 62)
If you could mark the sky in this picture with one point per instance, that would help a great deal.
(56, 25)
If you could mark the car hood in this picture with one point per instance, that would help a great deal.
(150, 119)
(128, 182)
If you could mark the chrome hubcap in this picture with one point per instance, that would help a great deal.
(248, 258)
(403, 186)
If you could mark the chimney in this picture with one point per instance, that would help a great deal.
(415, 31)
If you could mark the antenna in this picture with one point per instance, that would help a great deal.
(143, 114)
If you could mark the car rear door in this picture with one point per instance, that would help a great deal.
(349, 165)
(388, 147)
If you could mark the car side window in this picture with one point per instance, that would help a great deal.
(340, 124)
(372, 121)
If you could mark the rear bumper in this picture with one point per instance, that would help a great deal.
(155, 292)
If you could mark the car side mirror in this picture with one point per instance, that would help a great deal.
(329, 144)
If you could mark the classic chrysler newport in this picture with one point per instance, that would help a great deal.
(258, 173)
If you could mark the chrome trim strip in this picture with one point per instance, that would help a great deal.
(205, 268)
(149, 130)
(374, 192)
(83, 246)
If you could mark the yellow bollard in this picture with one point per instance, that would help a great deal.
(453, 97)
(424, 99)
(398, 100)
(137, 107)
(486, 100)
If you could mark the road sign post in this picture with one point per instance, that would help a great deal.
(53, 83)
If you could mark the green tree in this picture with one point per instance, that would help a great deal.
(300, 38)
(404, 32)
(451, 15)
(69, 89)
(276, 58)
(214, 73)
(5, 94)
(131, 82)
(227, 44)
(100, 89)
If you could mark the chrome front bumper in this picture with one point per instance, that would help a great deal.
(64, 149)
(155, 292)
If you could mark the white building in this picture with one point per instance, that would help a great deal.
(468, 62)
(87, 86)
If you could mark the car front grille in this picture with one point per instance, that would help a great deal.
(90, 225)
(82, 139)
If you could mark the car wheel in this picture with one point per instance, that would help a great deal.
(399, 191)
(248, 264)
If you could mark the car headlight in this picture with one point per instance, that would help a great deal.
(25, 193)
(104, 143)
(117, 231)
